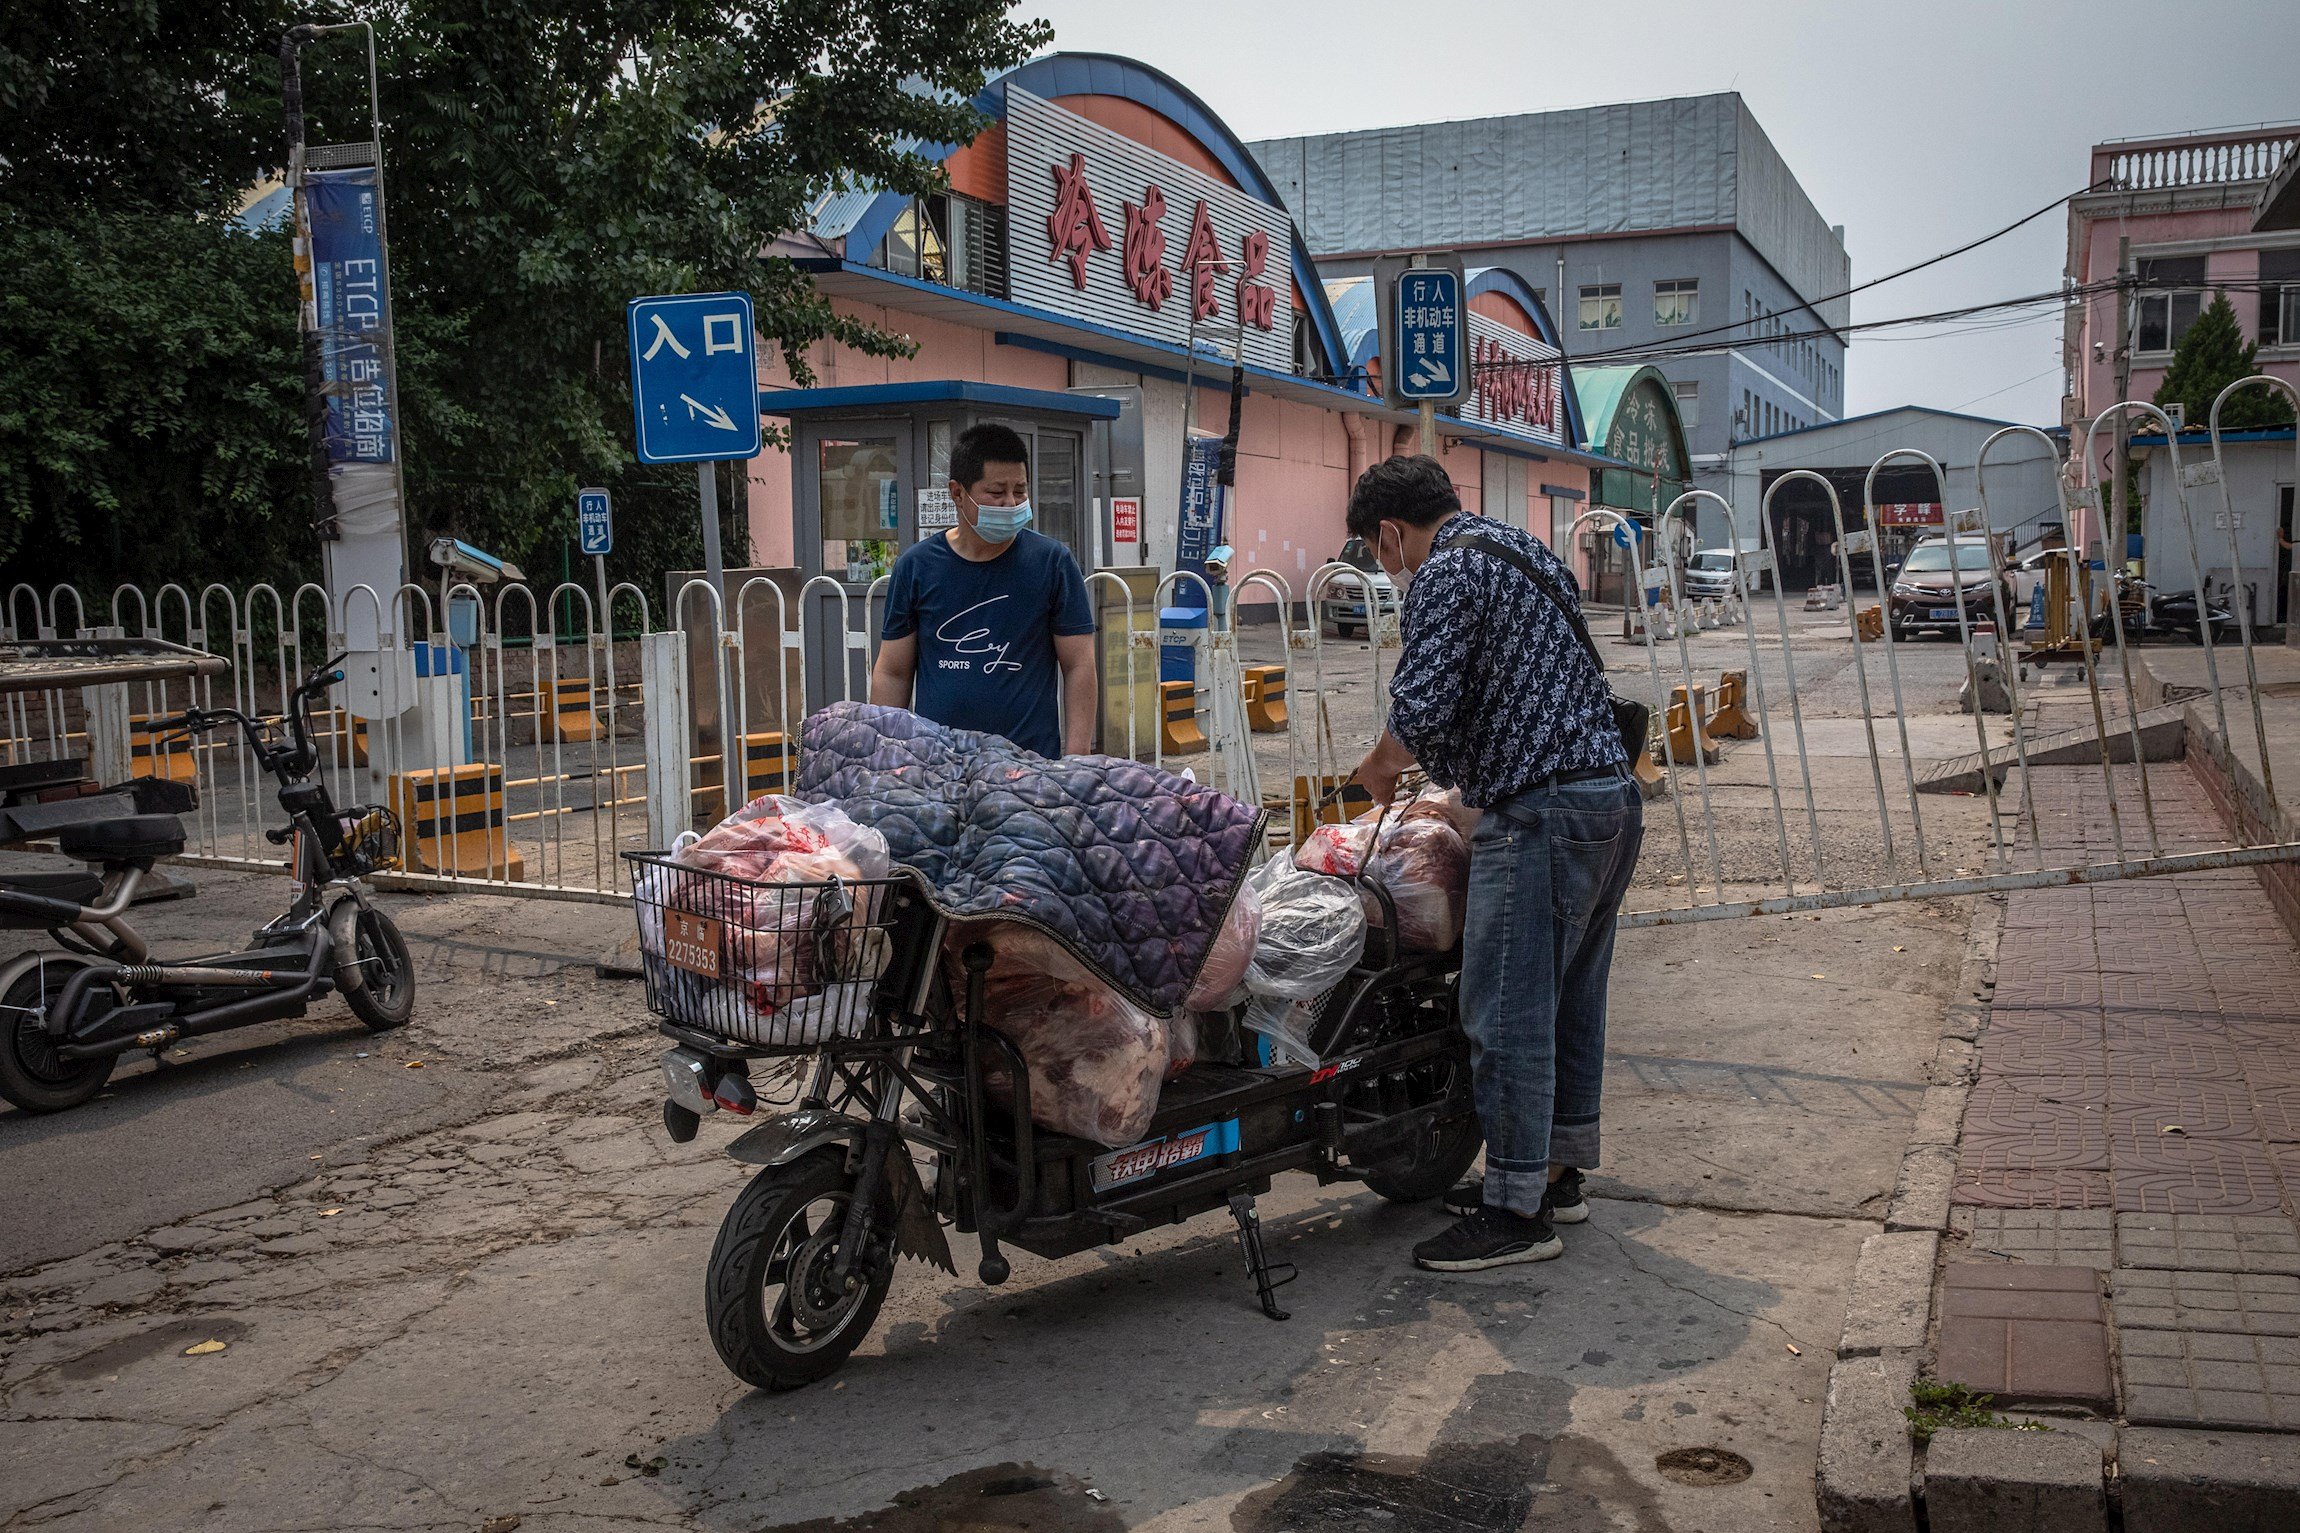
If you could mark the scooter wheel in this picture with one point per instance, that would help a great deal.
(372, 966)
(1431, 1167)
(778, 1312)
(31, 1074)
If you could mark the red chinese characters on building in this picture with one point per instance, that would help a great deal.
(1257, 301)
(1142, 260)
(1202, 259)
(1074, 228)
(1512, 389)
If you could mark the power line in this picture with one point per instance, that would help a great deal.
(1862, 287)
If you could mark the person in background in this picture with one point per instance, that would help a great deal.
(983, 620)
(1499, 693)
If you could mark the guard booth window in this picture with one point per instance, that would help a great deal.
(861, 490)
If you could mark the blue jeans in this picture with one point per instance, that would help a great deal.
(1548, 868)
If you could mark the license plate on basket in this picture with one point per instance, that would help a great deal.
(1152, 1156)
(691, 942)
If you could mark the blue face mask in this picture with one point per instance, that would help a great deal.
(999, 524)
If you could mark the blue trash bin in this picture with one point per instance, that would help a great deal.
(1178, 661)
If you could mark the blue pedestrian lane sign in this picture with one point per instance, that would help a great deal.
(595, 521)
(1431, 352)
(694, 378)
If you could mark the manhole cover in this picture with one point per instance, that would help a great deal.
(1703, 1466)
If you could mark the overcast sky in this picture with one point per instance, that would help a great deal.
(1918, 126)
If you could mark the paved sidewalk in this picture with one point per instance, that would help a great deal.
(2137, 1115)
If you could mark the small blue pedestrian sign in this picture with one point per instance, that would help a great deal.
(595, 521)
(694, 378)
(1431, 349)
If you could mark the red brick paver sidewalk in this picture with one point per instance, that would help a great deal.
(2136, 1120)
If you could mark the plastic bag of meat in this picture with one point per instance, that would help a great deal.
(1313, 930)
(1339, 850)
(1424, 864)
(1223, 975)
(1095, 1059)
(1434, 803)
(1181, 1044)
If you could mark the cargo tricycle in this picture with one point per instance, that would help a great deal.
(914, 1111)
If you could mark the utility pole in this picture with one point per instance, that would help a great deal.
(2114, 552)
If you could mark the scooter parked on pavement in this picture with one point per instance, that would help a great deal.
(66, 1017)
(806, 1254)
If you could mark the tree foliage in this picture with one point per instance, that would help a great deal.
(2212, 355)
(544, 163)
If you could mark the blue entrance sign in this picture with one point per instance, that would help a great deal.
(595, 520)
(1431, 350)
(694, 378)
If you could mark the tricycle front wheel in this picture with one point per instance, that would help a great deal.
(779, 1313)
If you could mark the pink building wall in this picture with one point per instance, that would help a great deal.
(1296, 461)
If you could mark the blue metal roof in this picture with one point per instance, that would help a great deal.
(873, 396)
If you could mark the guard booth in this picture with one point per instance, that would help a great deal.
(870, 475)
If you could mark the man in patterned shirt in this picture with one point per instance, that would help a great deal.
(1499, 693)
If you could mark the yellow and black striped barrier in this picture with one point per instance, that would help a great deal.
(1265, 698)
(165, 757)
(1179, 718)
(1327, 800)
(451, 821)
(573, 718)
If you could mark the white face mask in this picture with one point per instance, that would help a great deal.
(1401, 577)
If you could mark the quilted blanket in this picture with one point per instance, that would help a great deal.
(1130, 868)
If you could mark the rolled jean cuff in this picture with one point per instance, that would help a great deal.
(1573, 1144)
(1520, 1192)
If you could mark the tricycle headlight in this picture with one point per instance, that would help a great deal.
(688, 1077)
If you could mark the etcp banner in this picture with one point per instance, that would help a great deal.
(349, 310)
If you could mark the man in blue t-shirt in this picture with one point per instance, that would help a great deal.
(981, 618)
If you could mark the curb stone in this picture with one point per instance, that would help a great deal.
(1891, 1299)
(1995, 1480)
(2179, 1481)
(1865, 1479)
(1866, 1463)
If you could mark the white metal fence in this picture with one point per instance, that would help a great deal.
(526, 739)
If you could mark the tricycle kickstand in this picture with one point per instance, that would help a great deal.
(1267, 1279)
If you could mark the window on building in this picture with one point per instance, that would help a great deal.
(2171, 297)
(2280, 297)
(1601, 306)
(1688, 402)
(1676, 301)
(955, 240)
(1561, 514)
(1746, 423)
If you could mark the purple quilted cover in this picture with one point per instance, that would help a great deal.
(1130, 868)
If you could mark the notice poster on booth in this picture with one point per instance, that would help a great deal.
(1126, 519)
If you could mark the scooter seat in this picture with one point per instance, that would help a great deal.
(131, 838)
(72, 888)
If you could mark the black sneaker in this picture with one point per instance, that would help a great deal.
(1566, 1205)
(1491, 1237)
(1563, 1203)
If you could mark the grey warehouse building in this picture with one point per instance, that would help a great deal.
(1660, 222)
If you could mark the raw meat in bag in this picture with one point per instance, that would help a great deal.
(1424, 865)
(1224, 973)
(1095, 1059)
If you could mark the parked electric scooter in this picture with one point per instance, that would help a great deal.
(808, 1250)
(66, 1017)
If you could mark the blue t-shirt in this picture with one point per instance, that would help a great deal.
(986, 634)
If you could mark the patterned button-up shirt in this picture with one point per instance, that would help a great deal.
(1494, 691)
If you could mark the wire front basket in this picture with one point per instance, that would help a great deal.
(771, 965)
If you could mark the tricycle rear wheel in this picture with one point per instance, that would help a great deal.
(778, 1313)
(1432, 1166)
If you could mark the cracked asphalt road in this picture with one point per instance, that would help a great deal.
(471, 1292)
